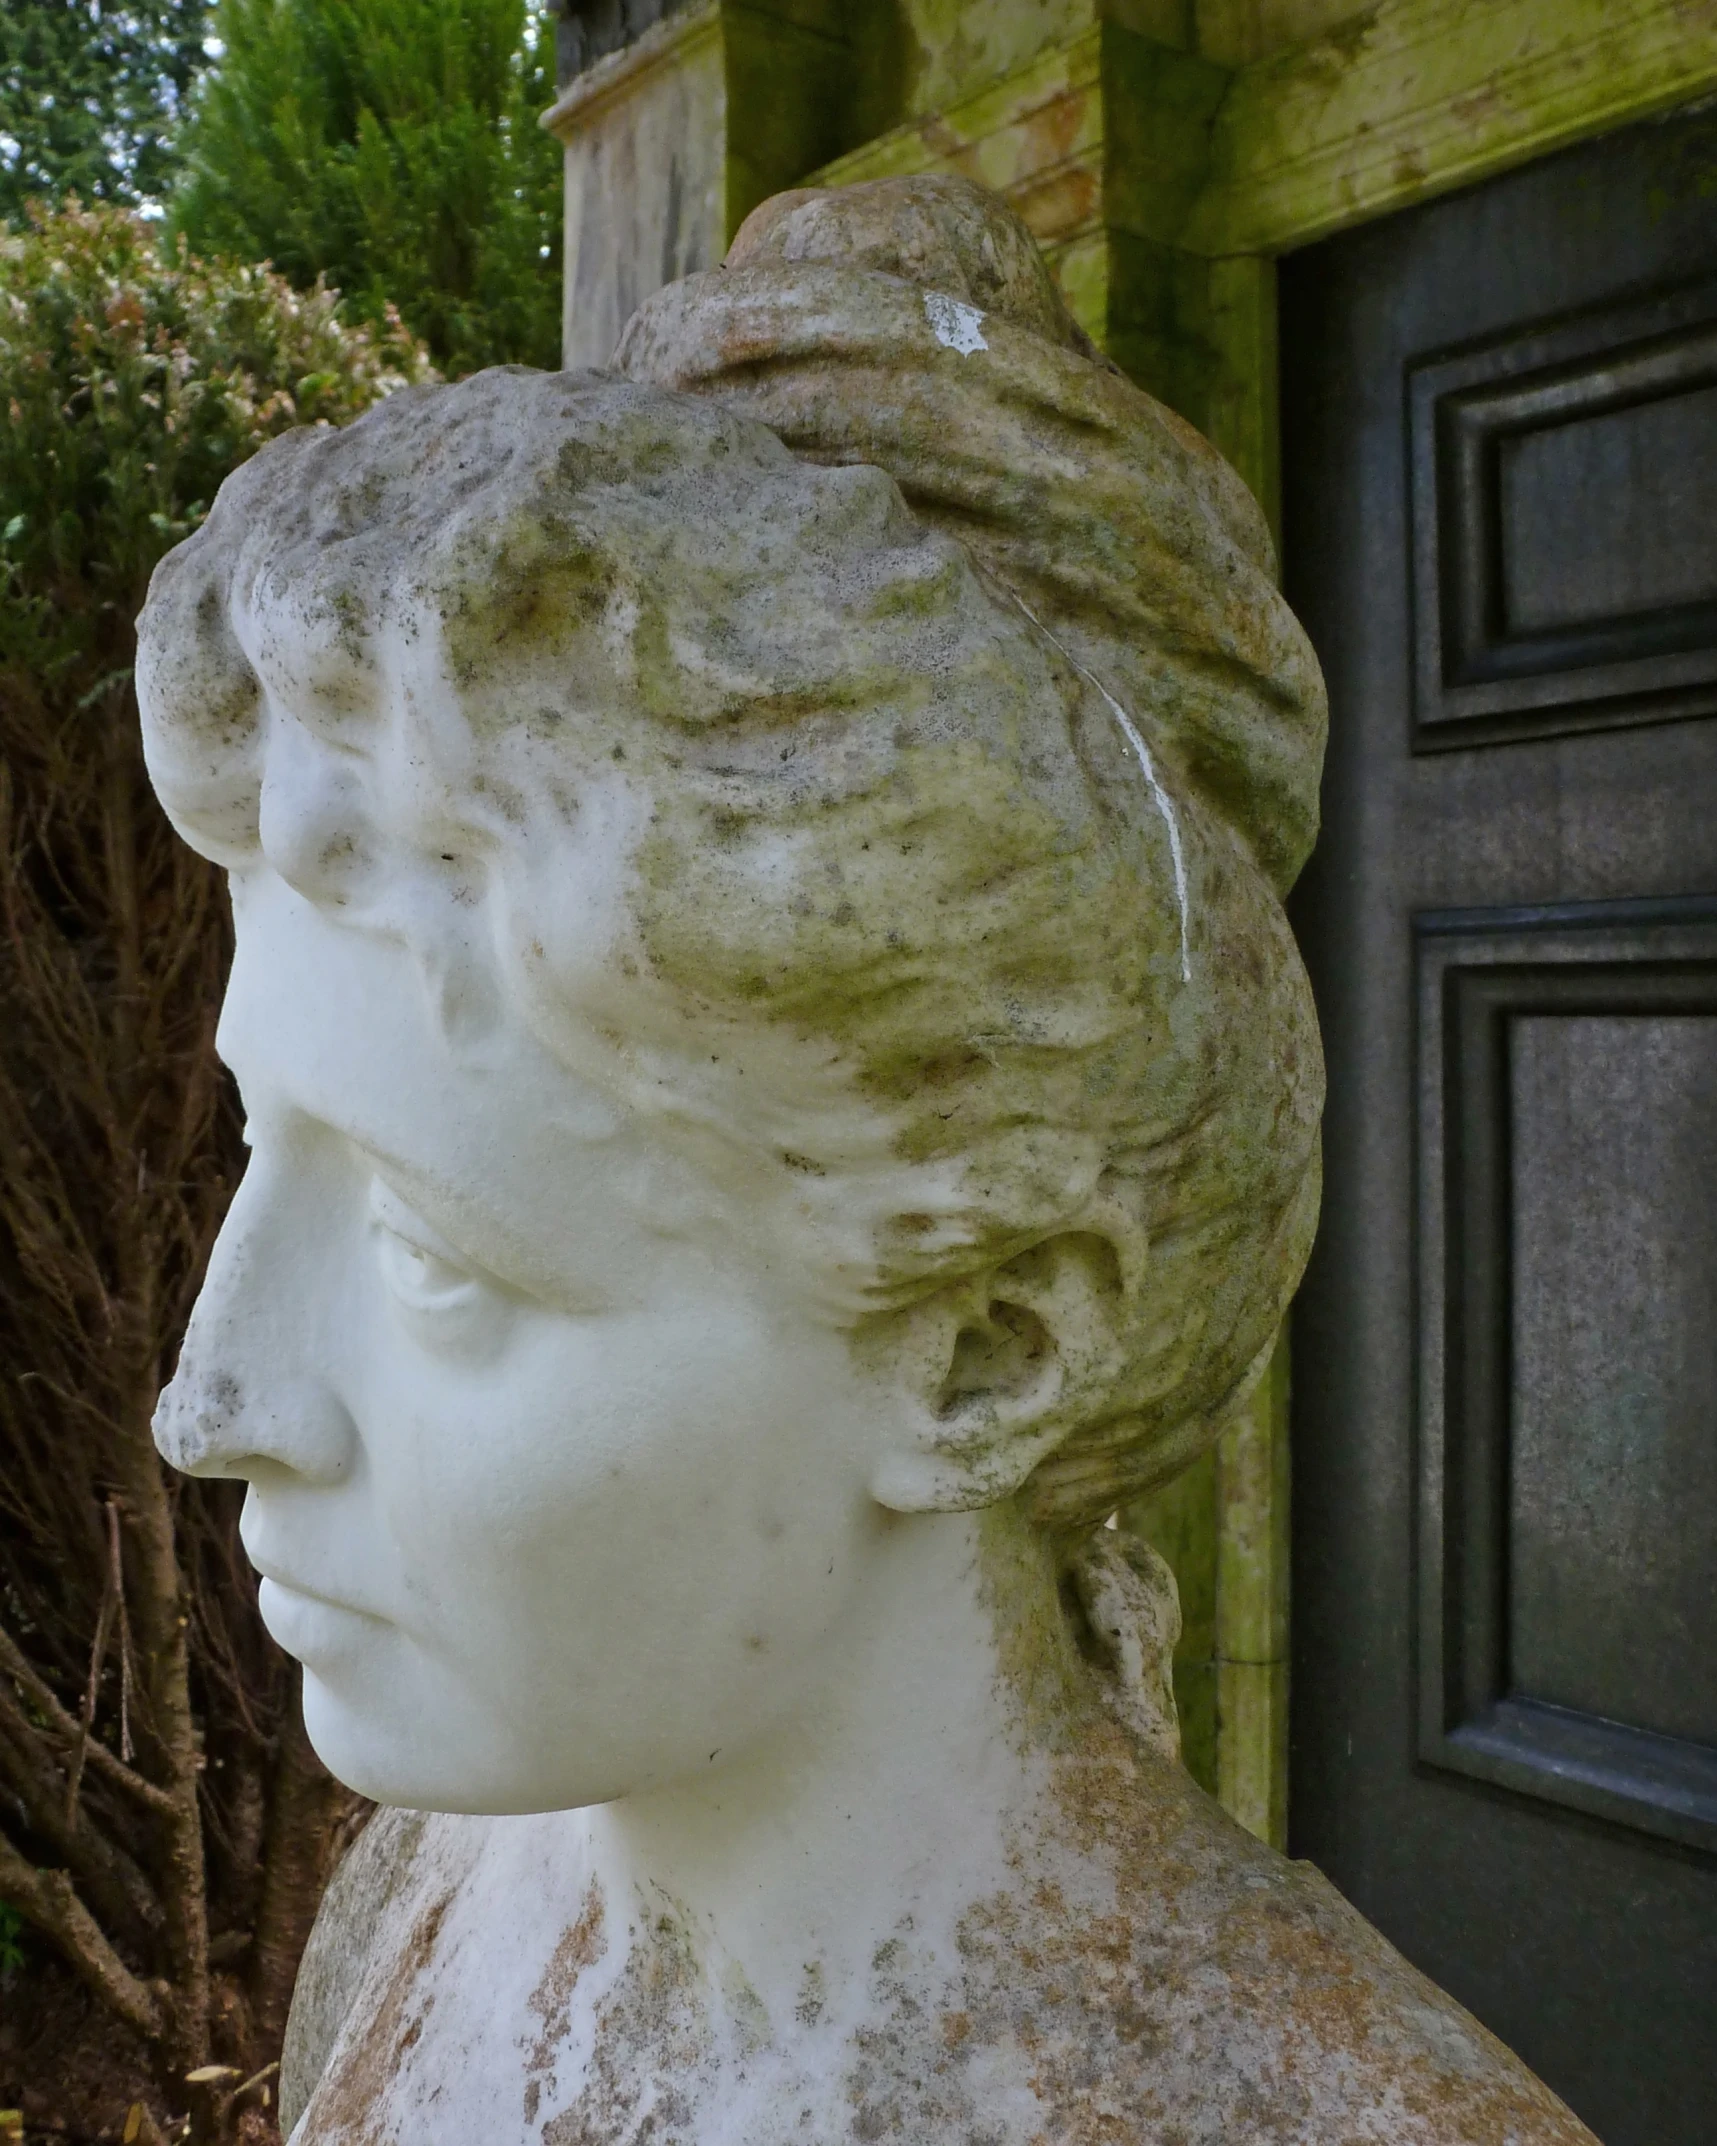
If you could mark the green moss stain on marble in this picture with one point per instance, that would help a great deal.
(1011, 132)
(1180, 1522)
(1252, 1554)
(788, 82)
(1159, 110)
(954, 47)
(1236, 32)
(1223, 1527)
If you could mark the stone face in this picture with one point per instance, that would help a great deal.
(781, 1095)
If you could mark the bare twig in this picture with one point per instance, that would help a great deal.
(112, 1595)
(59, 1726)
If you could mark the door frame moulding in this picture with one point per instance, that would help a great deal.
(1407, 100)
(1417, 97)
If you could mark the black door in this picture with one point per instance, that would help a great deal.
(1500, 429)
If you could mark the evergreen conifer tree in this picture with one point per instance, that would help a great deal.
(89, 91)
(392, 147)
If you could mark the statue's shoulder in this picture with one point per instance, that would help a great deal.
(372, 1899)
(1154, 1976)
(1271, 2010)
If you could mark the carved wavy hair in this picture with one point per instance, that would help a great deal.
(895, 820)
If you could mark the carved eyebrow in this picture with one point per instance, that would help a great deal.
(394, 1213)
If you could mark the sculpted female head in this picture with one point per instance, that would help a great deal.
(750, 1024)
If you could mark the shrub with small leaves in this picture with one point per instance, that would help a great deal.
(133, 381)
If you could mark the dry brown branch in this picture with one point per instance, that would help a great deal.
(48, 1899)
(112, 1598)
(107, 1872)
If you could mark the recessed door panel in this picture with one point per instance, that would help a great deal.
(1612, 1599)
(1566, 1164)
(1610, 517)
(1564, 534)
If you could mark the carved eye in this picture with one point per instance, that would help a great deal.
(420, 1279)
(418, 1264)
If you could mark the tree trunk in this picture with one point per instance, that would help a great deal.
(304, 1806)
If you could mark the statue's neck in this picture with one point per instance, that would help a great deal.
(910, 1781)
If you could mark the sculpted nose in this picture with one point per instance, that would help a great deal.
(248, 1393)
(208, 1423)
(241, 1394)
(196, 1419)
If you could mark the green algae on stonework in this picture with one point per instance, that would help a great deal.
(1048, 1686)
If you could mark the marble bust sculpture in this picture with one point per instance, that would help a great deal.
(781, 1094)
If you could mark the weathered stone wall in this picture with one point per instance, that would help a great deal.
(678, 119)
(646, 189)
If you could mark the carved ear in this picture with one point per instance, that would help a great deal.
(991, 1371)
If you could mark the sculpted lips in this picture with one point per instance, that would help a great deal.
(315, 1631)
(296, 1588)
(305, 1618)
(287, 1577)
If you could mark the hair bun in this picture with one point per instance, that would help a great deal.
(913, 324)
(941, 234)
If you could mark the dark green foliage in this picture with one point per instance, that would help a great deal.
(89, 90)
(391, 146)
